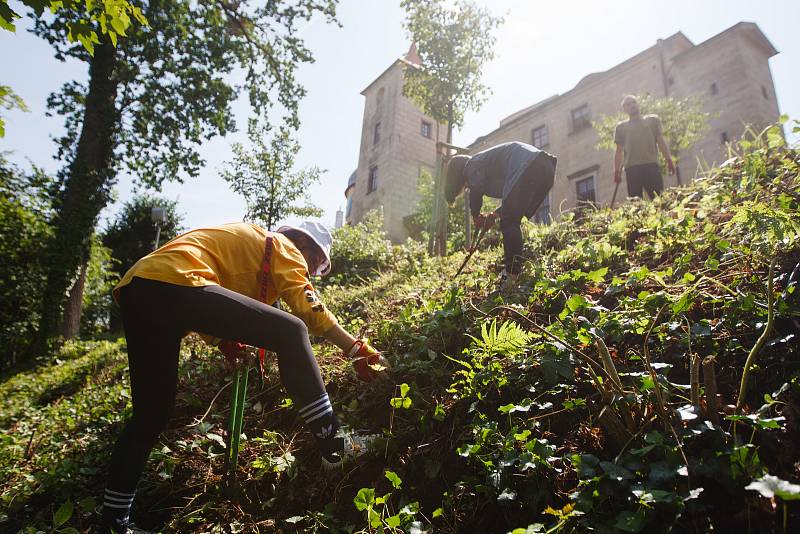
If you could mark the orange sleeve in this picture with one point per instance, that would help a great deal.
(290, 275)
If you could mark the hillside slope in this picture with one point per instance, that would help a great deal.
(577, 402)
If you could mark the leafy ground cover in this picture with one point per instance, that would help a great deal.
(603, 394)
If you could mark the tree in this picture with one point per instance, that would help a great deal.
(152, 101)
(453, 45)
(112, 17)
(131, 234)
(683, 122)
(264, 175)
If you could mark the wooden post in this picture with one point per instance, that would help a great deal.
(710, 381)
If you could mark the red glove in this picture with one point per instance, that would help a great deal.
(367, 361)
(233, 350)
(481, 222)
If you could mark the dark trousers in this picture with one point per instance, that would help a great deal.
(156, 316)
(642, 178)
(528, 194)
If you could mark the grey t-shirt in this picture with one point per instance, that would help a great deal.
(637, 137)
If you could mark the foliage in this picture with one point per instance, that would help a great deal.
(454, 43)
(266, 178)
(9, 100)
(101, 277)
(25, 212)
(110, 17)
(151, 102)
(362, 249)
(568, 404)
(683, 122)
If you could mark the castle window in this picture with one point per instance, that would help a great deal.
(540, 136)
(376, 135)
(372, 183)
(714, 89)
(581, 118)
(425, 129)
(764, 93)
(725, 139)
(585, 191)
(542, 215)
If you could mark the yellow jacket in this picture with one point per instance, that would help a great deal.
(230, 256)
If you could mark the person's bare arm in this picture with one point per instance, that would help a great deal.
(664, 148)
(618, 164)
(339, 337)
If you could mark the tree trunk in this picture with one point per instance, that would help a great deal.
(441, 223)
(86, 189)
(71, 324)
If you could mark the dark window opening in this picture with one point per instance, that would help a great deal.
(540, 136)
(725, 139)
(764, 93)
(425, 129)
(584, 190)
(372, 183)
(542, 215)
(376, 135)
(581, 118)
(714, 89)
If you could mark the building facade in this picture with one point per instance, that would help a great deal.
(730, 71)
(398, 144)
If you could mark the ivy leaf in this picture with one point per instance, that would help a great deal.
(392, 477)
(771, 486)
(364, 498)
(63, 514)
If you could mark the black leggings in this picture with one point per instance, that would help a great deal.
(528, 194)
(156, 316)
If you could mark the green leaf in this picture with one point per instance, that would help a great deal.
(577, 302)
(436, 513)
(628, 521)
(63, 514)
(598, 275)
(406, 403)
(393, 521)
(364, 498)
(392, 477)
(770, 486)
(404, 389)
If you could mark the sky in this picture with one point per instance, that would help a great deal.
(542, 49)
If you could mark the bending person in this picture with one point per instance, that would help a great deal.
(517, 173)
(220, 282)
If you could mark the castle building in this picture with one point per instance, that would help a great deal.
(398, 144)
(730, 71)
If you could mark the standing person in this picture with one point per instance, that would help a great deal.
(517, 173)
(638, 140)
(220, 282)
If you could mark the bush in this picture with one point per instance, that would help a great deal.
(25, 212)
(363, 249)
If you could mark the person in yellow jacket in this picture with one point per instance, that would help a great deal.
(220, 282)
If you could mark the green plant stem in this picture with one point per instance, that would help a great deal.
(751, 358)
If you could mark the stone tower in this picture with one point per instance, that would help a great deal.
(398, 143)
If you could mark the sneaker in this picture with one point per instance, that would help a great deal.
(353, 446)
(121, 527)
